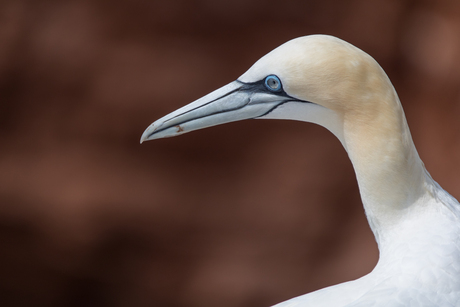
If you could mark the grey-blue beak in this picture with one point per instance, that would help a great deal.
(232, 102)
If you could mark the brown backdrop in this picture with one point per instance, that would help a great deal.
(244, 214)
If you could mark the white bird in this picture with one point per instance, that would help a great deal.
(327, 81)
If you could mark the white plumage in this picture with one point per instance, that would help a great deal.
(324, 80)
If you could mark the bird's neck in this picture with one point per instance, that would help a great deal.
(390, 174)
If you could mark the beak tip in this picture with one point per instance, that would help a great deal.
(147, 134)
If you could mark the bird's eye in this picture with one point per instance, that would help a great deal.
(273, 83)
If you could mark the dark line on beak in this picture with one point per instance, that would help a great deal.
(254, 87)
(283, 102)
(225, 95)
(210, 114)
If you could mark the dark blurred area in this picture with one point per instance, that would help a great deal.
(245, 214)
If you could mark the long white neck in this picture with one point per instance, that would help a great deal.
(390, 174)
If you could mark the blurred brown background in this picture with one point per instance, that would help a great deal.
(245, 214)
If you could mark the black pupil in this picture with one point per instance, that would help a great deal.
(273, 83)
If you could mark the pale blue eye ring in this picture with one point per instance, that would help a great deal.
(273, 83)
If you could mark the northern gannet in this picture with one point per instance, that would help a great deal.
(327, 81)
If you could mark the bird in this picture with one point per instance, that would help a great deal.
(327, 81)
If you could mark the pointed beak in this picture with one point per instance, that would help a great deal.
(232, 102)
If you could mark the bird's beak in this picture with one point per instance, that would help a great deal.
(232, 102)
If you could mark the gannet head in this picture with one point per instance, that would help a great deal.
(327, 81)
(317, 78)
